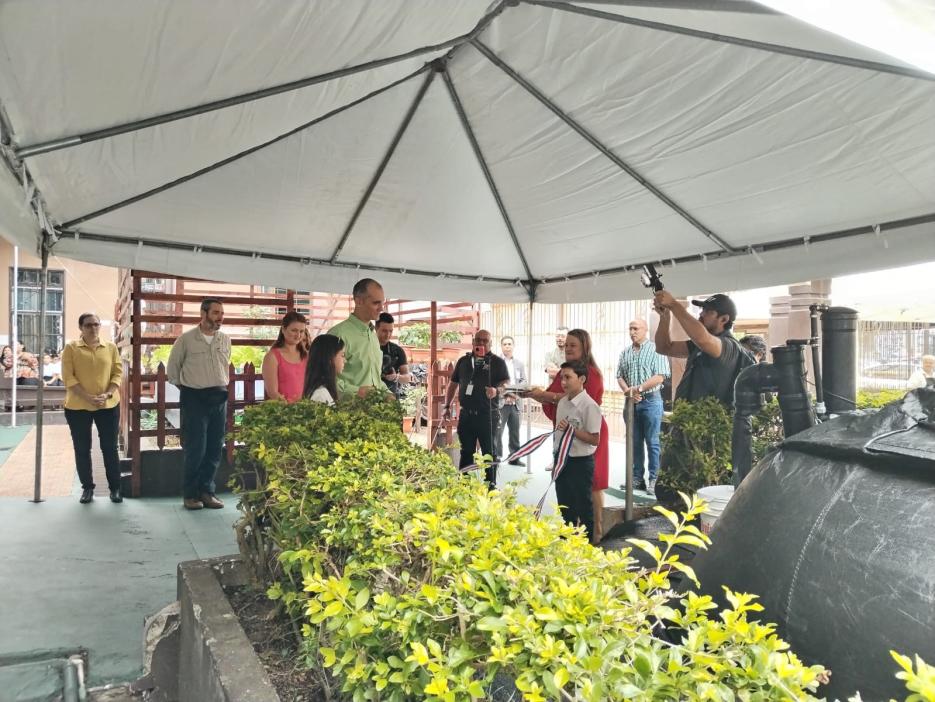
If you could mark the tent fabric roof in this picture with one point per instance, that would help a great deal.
(463, 150)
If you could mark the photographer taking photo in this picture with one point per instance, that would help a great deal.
(714, 355)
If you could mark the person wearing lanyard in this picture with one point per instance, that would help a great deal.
(478, 378)
(640, 374)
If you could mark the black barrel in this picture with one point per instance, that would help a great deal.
(839, 359)
(835, 532)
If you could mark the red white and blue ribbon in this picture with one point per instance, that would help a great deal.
(561, 457)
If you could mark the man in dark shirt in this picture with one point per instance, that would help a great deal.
(478, 378)
(395, 371)
(714, 355)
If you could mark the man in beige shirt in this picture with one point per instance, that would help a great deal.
(198, 366)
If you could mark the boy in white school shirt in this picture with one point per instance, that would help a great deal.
(578, 410)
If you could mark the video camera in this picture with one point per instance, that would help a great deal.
(650, 278)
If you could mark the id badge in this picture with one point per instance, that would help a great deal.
(469, 390)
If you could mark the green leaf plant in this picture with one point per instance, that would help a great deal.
(408, 581)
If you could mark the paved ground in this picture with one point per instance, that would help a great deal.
(17, 472)
(77, 575)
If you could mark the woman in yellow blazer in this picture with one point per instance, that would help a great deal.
(92, 370)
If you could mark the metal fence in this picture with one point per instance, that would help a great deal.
(888, 352)
(606, 322)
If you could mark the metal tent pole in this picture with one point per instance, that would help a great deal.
(528, 371)
(43, 288)
(630, 418)
(14, 331)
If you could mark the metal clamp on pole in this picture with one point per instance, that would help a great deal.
(629, 416)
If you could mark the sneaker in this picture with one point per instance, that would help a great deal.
(651, 486)
(192, 503)
(87, 494)
(115, 496)
(210, 500)
(639, 485)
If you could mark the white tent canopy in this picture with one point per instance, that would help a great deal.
(462, 149)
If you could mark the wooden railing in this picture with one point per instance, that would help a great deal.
(160, 405)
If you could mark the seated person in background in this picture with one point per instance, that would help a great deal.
(754, 345)
(26, 368)
(52, 370)
(6, 361)
(925, 375)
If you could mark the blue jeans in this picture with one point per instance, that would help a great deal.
(648, 422)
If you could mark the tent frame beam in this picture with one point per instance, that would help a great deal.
(482, 162)
(303, 260)
(740, 6)
(528, 285)
(230, 159)
(765, 247)
(597, 144)
(147, 122)
(738, 41)
(400, 132)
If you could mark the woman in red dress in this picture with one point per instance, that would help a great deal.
(578, 348)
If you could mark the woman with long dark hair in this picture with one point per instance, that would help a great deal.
(284, 364)
(578, 348)
(325, 362)
(7, 361)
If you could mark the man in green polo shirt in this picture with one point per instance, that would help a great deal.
(363, 359)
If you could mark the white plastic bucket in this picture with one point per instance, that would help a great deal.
(717, 497)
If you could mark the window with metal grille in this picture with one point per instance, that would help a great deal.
(27, 309)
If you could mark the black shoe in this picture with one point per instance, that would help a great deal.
(517, 462)
(87, 494)
(115, 496)
(639, 485)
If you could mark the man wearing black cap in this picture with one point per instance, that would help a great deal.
(714, 355)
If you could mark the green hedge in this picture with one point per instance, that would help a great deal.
(412, 582)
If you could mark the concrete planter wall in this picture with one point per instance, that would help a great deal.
(217, 662)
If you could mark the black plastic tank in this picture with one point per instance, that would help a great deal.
(835, 531)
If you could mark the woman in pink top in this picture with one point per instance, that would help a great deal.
(284, 364)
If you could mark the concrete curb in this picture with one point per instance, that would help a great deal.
(217, 663)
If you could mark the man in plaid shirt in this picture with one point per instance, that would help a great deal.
(640, 374)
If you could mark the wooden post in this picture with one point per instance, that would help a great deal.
(249, 384)
(161, 406)
(231, 399)
(434, 417)
(136, 385)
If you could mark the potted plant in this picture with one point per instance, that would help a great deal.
(411, 404)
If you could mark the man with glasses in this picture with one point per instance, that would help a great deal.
(478, 377)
